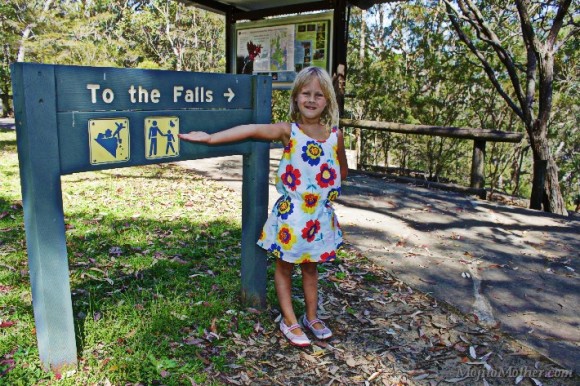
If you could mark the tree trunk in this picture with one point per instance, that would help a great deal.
(538, 182)
(362, 48)
(553, 202)
(545, 185)
(22, 48)
(6, 107)
(540, 63)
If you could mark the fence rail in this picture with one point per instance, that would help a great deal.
(479, 136)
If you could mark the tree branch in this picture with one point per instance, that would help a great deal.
(558, 22)
(528, 33)
(534, 54)
(504, 56)
(486, 66)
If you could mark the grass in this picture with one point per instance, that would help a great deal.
(154, 262)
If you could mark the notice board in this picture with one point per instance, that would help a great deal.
(281, 47)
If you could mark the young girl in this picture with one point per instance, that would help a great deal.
(302, 228)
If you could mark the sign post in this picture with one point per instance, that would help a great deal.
(74, 119)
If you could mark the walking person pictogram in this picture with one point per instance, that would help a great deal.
(170, 140)
(153, 131)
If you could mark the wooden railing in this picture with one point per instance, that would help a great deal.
(479, 137)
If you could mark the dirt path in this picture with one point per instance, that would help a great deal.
(387, 333)
(472, 257)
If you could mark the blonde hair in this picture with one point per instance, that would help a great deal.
(330, 114)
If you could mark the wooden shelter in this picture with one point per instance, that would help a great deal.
(237, 10)
(254, 10)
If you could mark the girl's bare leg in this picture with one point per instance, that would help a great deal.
(310, 286)
(283, 284)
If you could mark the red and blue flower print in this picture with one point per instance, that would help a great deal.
(310, 231)
(302, 226)
(326, 176)
(328, 256)
(291, 178)
(289, 149)
(286, 237)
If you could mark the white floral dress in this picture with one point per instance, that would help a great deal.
(302, 226)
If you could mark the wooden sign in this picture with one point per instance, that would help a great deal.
(72, 119)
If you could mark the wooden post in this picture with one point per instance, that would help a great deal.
(230, 32)
(358, 149)
(38, 154)
(255, 203)
(339, 69)
(478, 165)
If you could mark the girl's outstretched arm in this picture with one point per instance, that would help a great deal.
(268, 132)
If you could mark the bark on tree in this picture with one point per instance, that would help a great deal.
(539, 64)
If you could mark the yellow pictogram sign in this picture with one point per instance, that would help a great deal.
(161, 139)
(109, 140)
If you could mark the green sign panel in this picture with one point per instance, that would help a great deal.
(74, 119)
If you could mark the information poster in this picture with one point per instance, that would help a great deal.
(311, 45)
(269, 49)
(281, 50)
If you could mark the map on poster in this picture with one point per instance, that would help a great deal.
(266, 49)
(283, 50)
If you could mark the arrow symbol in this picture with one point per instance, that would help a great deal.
(230, 95)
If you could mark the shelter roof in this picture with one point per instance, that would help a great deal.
(262, 8)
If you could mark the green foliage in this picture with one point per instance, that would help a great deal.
(418, 78)
(155, 33)
(181, 37)
(280, 105)
(412, 69)
(9, 37)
